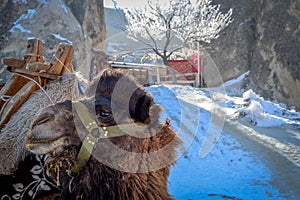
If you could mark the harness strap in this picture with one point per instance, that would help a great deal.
(85, 152)
(89, 141)
(121, 130)
(91, 125)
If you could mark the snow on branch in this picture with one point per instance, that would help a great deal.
(180, 20)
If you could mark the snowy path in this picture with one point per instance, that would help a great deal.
(227, 157)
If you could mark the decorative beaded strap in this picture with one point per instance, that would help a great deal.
(89, 141)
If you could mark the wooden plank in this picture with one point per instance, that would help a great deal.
(59, 59)
(34, 53)
(33, 66)
(31, 51)
(16, 101)
(68, 61)
(37, 67)
(40, 54)
(15, 83)
(40, 59)
(178, 75)
(12, 86)
(13, 62)
(32, 74)
(178, 82)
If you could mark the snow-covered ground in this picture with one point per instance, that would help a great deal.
(236, 145)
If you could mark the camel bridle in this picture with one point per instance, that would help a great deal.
(91, 126)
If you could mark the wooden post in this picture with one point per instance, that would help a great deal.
(149, 76)
(201, 73)
(16, 102)
(59, 59)
(68, 61)
(198, 84)
(157, 75)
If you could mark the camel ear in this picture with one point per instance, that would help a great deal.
(154, 112)
(150, 114)
(144, 109)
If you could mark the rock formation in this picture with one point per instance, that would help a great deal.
(80, 23)
(265, 39)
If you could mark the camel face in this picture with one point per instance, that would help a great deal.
(49, 132)
(54, 128)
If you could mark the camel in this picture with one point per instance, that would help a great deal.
(12, 146)
(108, 145)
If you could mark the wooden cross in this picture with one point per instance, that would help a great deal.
(28, 72)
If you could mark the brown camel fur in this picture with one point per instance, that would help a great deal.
(109, 173)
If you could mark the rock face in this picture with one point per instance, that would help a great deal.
(276, 60)
(80, 23)
(232, 51)
(90, 15)
(265, 39)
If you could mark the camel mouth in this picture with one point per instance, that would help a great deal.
(47, 146)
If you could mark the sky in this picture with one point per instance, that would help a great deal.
(128, 3)
(125, 3)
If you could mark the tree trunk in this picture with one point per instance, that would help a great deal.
(166, 63)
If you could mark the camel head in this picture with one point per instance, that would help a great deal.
(113, 98)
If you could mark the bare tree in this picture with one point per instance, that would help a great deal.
(158, 25)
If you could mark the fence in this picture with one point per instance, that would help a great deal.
(186, 71)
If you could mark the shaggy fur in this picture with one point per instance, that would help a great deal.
(12, 145)
(99, 180)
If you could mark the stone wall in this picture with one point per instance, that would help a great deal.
(275, 69)
(265, 39)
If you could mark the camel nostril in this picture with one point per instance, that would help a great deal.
(41, 121)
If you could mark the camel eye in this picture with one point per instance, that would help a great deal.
(103, 109)
(104, 114)
(42, 120)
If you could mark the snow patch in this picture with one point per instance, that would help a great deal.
(255, 111)
(63, 6)
(43, 2)
(58, 36)
(265, 113)
(19, 27)
(29, 15)
(237, 80)
(250, 95)
(23, 1)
